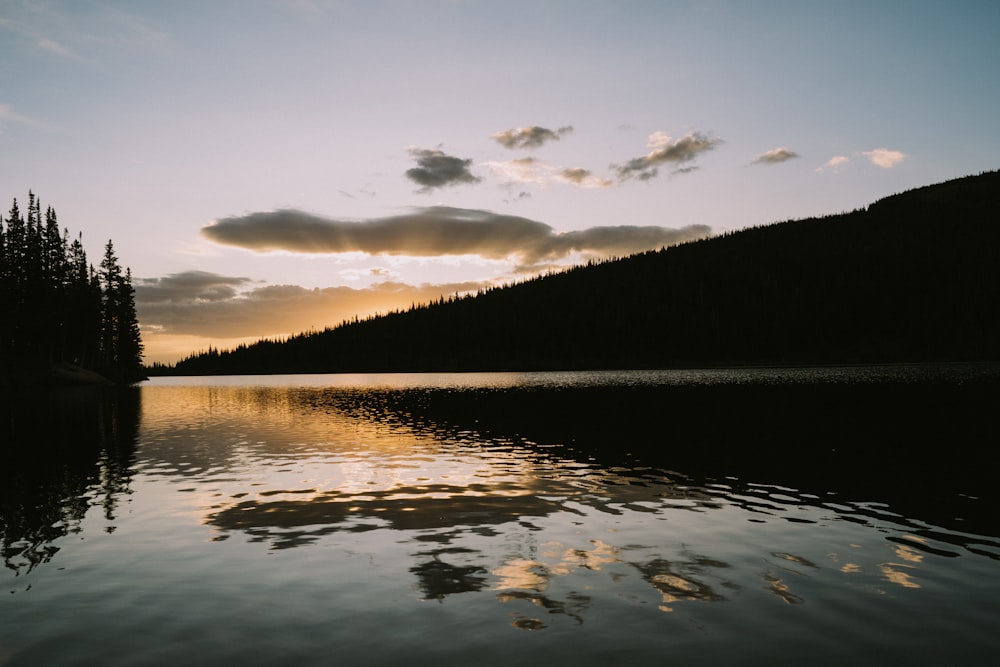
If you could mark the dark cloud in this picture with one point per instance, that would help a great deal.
(582, 177)
(775, 156)
(437, 231)
(576, 174)
(187, 286)
(666, 150)
(530, 137)
(435, 169)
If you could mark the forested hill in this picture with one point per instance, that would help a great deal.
(914, 277)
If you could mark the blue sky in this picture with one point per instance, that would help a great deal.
(265, 167)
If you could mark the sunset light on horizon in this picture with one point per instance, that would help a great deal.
(272, 167)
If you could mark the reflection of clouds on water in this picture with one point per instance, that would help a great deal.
(800, 560)
(693, 579)
(778, 587)
(568, 560)
(482, 510)
(896, 573)
(902, 574)
(522, 573)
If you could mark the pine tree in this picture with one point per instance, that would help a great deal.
(110, 276)
(129, 336)
(13, 285)
(121, 343)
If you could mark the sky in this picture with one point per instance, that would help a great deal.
(267, 167)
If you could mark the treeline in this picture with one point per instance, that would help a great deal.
(914, 277)
(57, 308)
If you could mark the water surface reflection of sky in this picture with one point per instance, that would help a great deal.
(293, 466)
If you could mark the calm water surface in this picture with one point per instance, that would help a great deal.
(752, 516)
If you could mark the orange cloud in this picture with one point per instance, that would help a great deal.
(178, 311)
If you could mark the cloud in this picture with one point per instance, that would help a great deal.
(532, 170)
(583, 178)
(880, 157)
(776, 156)
(8, 115)
(884, 158)
(522, 170)
(834, 163)
(271, 310)
(530, 137)
(435, 169)
(55, 47)
(666, 150)
(200, 286)
(435, 232)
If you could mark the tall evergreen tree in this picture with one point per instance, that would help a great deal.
(121, 344)
(13, 281)
(129, 337)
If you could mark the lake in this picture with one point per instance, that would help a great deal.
(844, 515)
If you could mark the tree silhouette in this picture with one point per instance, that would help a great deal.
(57, 308)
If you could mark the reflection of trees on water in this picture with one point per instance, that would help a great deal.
(65, 450)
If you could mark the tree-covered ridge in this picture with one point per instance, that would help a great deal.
(57, 308)
(914, 277)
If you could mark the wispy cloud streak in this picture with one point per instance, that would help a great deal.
(8, 115)
(532, 170)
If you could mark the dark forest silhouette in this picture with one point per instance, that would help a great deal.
(58, 310)
(913, 277)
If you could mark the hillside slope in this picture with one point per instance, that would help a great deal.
(914, 277)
